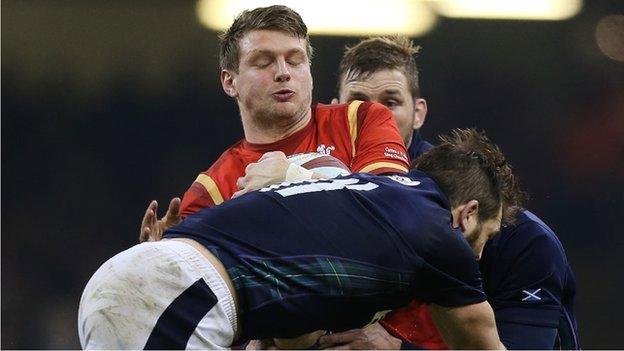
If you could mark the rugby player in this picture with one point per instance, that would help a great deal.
(527, 278)
(265, 59)
(295, 258)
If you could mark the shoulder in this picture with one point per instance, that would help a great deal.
(525, 256)
(231, 159)
(529, 233)
(354, 109)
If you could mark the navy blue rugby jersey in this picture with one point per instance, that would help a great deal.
(529, 282)
(418, 146)
(330, 254)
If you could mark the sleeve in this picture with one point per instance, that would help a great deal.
(530, 288)
(526, 337)
(414, 326)
(377, 146)
(204, 192)
(450, 276)
(215, 185)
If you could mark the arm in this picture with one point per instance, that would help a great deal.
(467, 327)
(377, 145)
(371, 337)
(302, 342)
(272, 168)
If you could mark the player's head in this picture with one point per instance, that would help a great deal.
(478, 180)
(383, 70)
(265, 64)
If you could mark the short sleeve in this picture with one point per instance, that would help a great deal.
(451, 275)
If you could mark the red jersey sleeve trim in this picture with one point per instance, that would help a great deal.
(352, 115)
(211, 188)
(371, 168)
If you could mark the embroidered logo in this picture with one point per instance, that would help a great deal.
(322, 149)
(531, 295)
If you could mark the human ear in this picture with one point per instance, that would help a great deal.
(468, 216)
(228, 83)
(420, 113)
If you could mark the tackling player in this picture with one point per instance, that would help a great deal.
(326, 254)
(528, 280)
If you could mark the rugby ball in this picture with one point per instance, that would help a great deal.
(323, 164)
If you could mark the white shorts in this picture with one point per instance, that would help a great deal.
(157, 295)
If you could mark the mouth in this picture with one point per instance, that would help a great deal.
(283, 95)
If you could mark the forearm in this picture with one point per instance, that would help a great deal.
(301, 342)
(467, 327)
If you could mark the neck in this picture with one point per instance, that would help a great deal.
(266, 133)
(408, 142)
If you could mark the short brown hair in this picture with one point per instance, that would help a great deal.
(467, 165)
(276, 17)
(377, 53)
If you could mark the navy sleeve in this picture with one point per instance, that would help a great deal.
(452, 276)
(526, 337)
(525, 278)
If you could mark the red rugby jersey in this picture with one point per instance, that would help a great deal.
(362, 135)
(413, 323)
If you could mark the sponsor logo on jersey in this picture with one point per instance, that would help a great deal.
(399, 155)
(323, 149)
(404, 180)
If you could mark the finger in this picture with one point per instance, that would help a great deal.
(265, 156)
(240, 183)
(272, 154)
(147, 221)
(153, 206)
(239, 193)
(250, 167)
(334, 101)
(173, 212)
(338, 338)
(144, 235)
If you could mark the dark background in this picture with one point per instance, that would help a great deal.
(107, 105)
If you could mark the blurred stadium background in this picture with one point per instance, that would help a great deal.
(107, 105)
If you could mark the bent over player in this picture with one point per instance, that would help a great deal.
(295, 258)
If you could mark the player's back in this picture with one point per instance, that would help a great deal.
(529, 281)
(329, 254)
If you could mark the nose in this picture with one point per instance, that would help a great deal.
(282, 74)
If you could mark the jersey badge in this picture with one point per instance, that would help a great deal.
(531, 296)
(323, 149)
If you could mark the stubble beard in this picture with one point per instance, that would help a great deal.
(275, 120)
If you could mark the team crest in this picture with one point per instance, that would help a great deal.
(323, 149)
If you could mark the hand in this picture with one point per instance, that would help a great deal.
(265, 344)
(371, 337)
(152, 229)
(270, 169)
